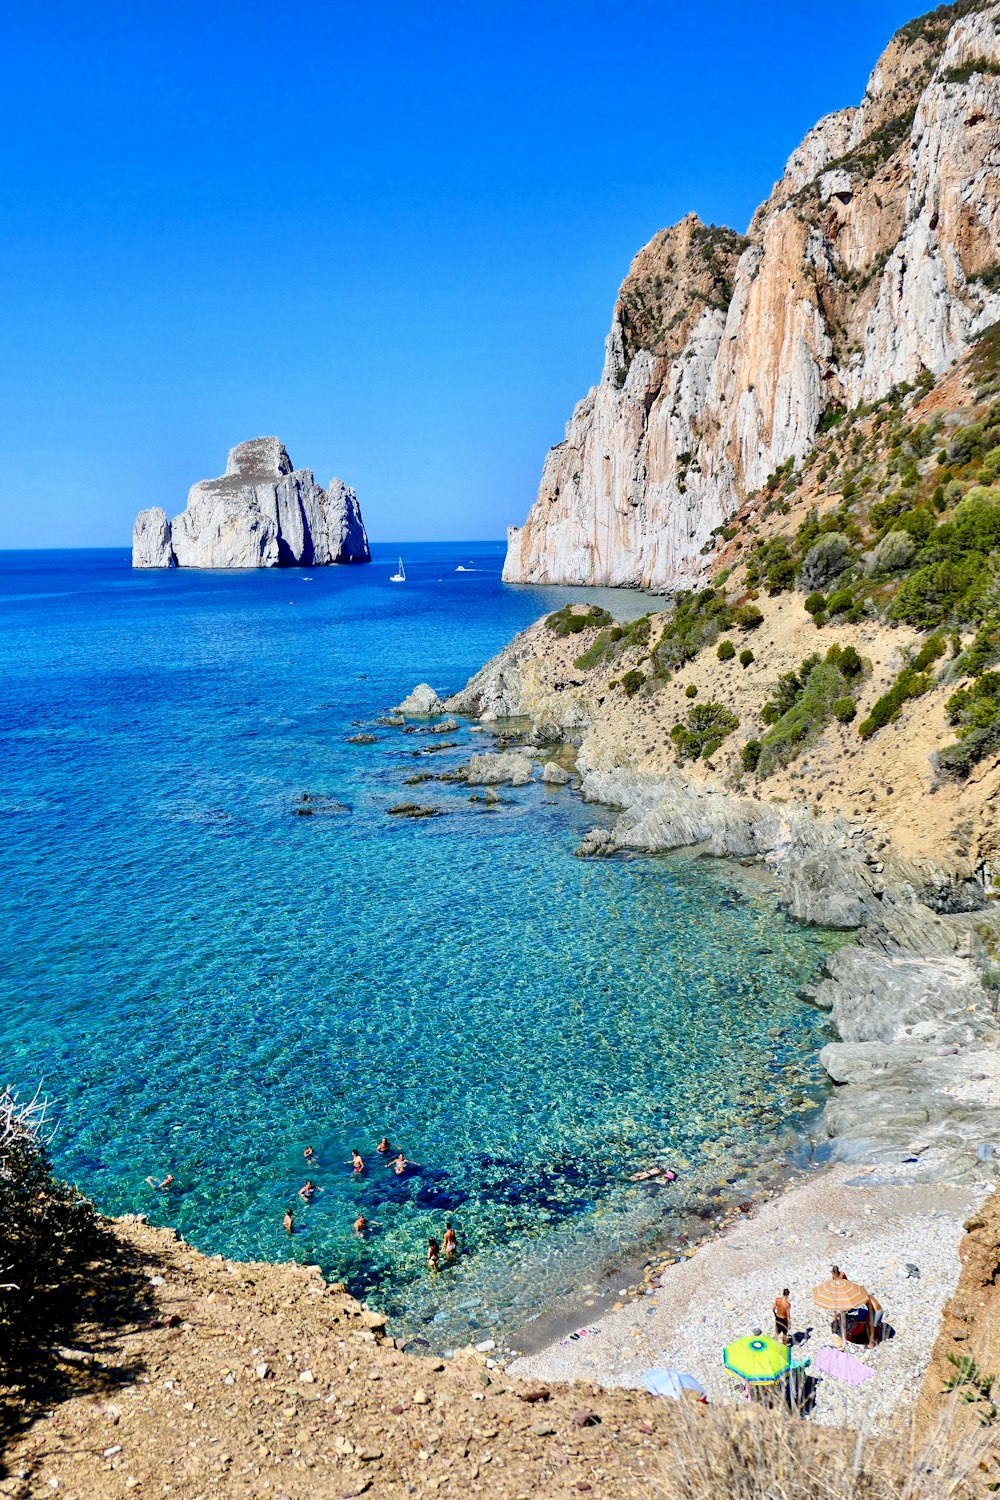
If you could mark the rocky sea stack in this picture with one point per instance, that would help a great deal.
(261, 513)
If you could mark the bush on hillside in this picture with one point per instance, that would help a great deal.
(748, 617)
(48, 1233)
(942, 591)
(892, 554)
(570, 621)
(909, 684)
(746, 657)
(706, 727)
(725, 651)
(826, 559)
(697, 621)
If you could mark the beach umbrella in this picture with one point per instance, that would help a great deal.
(662, 1382)
(839, 1295)
(757, 1359)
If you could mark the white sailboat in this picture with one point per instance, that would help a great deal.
(399, 577)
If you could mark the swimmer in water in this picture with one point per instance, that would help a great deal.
(383, 1147)
(308, 1192)
(309, 1153)
(360, 1226)
(400, 1165)
(433, 1254)
(450, 1241)
(164, 1186)
(358, 1160)
(289, 1222)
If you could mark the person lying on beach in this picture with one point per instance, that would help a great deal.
(360, 1225)
(358, 1160)
(782, 1316)
(450, 1241)
(164, 1186)
(308, 1191)
(289, 1222)
(383, 1147)
(433, 1254)
(400, 1165)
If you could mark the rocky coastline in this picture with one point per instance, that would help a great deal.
(916, 1063)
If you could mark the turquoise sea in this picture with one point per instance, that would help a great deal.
(207, 982)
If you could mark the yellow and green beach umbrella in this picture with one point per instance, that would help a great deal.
(757, 1359)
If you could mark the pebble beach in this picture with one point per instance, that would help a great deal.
(872, 1222)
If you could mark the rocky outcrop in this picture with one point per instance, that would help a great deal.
(422, 702)
(261, 513)
(872, 260)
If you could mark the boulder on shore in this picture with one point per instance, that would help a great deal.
(554, 774)
(261, 513)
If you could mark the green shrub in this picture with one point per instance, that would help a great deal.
(848, 661)
(725, 651)
(632, 681)
(707, 726)
(815, 603)
(691, 691)
(975, 706)
(750, 755)
(821, 687)
(746, 657)
(959, 759)
(567, 621)
(909, 684)
(892, 554)
(611, 643)
(983, 652)
(748, 617)
(941, 591)
(820, 619)
(826, 559)
(931, 651)
(845, 709)
(697, 621)
(840, 602)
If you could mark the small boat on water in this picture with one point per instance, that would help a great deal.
(399, 577)
(463, 569)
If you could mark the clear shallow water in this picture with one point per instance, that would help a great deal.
(208, 982)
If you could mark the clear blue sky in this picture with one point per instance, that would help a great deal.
(391, 233)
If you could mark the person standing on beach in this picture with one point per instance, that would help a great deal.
(782, 1317)
(450, 1241)
(874, 1307)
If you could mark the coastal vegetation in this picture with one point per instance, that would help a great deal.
(571, 621)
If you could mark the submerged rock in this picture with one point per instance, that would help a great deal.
(414, 810)
(261, 513)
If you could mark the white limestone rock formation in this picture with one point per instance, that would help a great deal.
(261, 513)
(874, 258)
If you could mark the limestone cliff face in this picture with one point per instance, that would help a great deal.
(875, 257)
(261, 513)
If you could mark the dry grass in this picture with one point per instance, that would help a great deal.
(758, 1455)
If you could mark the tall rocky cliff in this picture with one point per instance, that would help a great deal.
(877, 256)
(261, 513)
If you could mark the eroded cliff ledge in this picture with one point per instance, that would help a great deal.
(261, 513)
(875, 258)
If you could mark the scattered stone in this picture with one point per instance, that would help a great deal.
(362, 739)
(415, 810)
(420, 1397)
(543, 1429)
